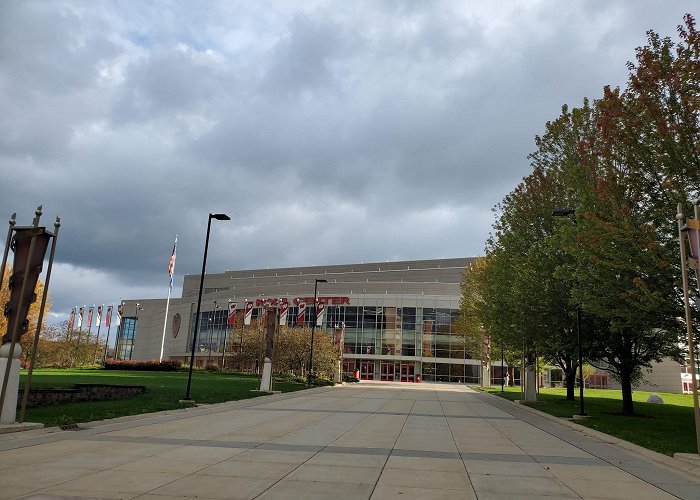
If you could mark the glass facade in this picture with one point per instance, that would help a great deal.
(212, 331)
(381, 342)
(125, 338)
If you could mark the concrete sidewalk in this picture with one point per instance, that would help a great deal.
(370, 440)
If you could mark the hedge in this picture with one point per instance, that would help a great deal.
(169, 365)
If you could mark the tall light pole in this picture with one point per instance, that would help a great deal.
(566, 212)
(313, 328)
(199, 300)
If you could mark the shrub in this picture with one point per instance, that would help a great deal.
(321, 382)
(212, 367)
(348, 378)
(170, 365)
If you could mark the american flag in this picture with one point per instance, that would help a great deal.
(171, 266)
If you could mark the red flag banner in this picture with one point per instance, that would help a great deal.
(320, 311)
(284, 308)
(301, 313)
(231, 314)
(71, 320)
(248, 313)
(108, 317)
(89, 317)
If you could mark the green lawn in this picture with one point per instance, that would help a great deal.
(163, 392)
(667, 428)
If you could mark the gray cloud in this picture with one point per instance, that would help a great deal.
(330, 132)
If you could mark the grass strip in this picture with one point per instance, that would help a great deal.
(667, 428)
(163, 392)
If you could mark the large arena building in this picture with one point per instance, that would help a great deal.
(399, 317)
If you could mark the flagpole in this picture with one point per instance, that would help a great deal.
(108, 321)
(171, 272)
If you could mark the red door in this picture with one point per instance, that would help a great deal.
(367, 370)
(408, 373)
(387, 372)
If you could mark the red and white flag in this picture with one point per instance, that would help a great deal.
(98, 320)
(108, 317)
(89, 317)
(120, 312)
(248, 313)
(71, 320)
(301, 313)
(284, 309)
(320, 311)
(231, 314)
(80, 318)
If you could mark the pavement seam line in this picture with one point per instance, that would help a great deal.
(398, 436)
(527, 454)
(449, 427)
(536, 413)
(318, 452)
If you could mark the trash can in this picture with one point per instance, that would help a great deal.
(356, 374)
(418, 378)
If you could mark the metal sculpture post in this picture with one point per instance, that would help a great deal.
(29, 245)
(688, 314)
(271, 321)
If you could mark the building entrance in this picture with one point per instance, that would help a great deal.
(387, 372)
(367, 370)
(408, 373)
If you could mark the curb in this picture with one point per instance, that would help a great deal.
(659, 458)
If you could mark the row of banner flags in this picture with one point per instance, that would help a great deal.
(283, 312)
(77, 317)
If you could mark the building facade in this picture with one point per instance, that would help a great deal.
(400, 318)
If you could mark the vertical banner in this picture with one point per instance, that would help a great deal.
(71, 320)
(80, 318)
(694, 237)
(231, 321)
(320, 311)
(248, 313)
(89, 317)
(98, 320)
(301, 312)
(108, 317)
(284, 309)
(120, 313)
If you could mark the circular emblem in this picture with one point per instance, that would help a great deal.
(177, 319)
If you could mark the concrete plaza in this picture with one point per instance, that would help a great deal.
(368, 440)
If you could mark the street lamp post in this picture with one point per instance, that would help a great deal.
(199, 300)
(313, 328)
(565, 212)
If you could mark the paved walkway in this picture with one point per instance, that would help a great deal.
(371, 440)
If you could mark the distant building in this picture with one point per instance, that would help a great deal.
(399, 317)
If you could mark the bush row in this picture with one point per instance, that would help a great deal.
(169, 365)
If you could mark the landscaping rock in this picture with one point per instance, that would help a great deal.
(655, 399)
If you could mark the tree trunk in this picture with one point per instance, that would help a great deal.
(626, 386)
(570, 385)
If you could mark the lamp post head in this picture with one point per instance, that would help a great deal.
(219, 216)
(321, 281)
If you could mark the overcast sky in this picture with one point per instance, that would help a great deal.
(328, 131)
